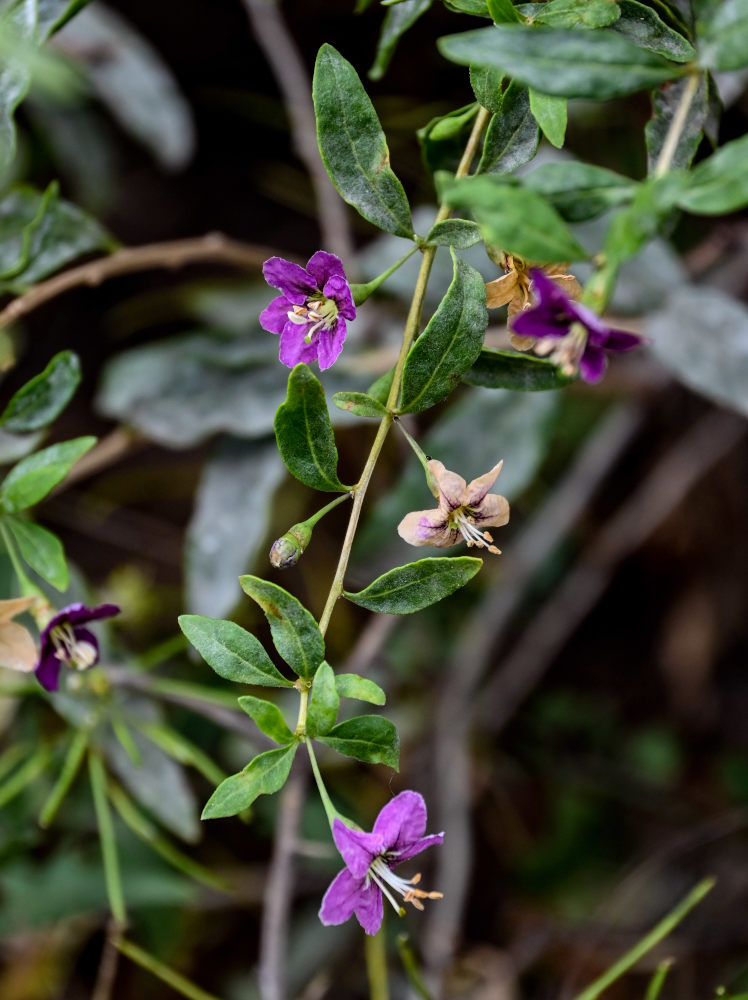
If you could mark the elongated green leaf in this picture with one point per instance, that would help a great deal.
(324, 702)
(486, 83)
(232, 651)
(520, 372)
(45, 396)
(639, 222)
(643, 26)
(512, 135)
(594, 64)
(361, 688)
(21, 215)
(578, 13)
(457, 233)
(268, 717)
(502, 11)
(479, 8)
(398, 19)
(666, 101)
(353, 147)
(18, 25)
(720, 183)
(366, 737)
(443, 139)
(295, 633)
(359, 403)
(723, 42)
(304, 433)
(416, 585)
(550, 113)
(380, 389)
(450, 343)
(580, 191)
(266, 774)
(515, 218)
(32, 479)
(42, 550)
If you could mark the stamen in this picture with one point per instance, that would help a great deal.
(380, 872)
(465, 524)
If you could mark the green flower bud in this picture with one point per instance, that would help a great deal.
(287, 549)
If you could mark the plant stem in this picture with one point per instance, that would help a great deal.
(106, 836)
(330, 810)
(311, 521)
(648, 942)
(658, 979)
(161, 971)
(677, 124)
(376, 965)
(25, 774)
(71, 764)
(303, 706)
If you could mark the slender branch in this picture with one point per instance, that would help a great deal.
(677, 125)
(376, 965)
(70, 767)
(108, 964)
(161, 971)
(214, 247)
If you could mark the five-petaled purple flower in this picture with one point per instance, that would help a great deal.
(398, 835)
(65, 641)
(570, 333)
(310, 315)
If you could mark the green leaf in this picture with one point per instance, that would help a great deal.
(18, 24)
(457, 233)
(295, 632)
(666, 101)
(268, 717)
(32, 479)
(380, 389)
(486, 84)
(45, 396)
(502, 11)
(398, 19)
(520, 372)
(723, 42)
(232, 651)
(719, 184)
(361, 688)
(304, 433)
(479, 8)
(21, 215)
(353, 147)
(443, 139)
(324, 702)
(594, 64)
(578, 13)
(643, 26)
(631, 228)
(359, 403)
(366, 737)
(512, 134)
(42, 550)
(550, 114)
(266, 774)
(515, 218)
(450, 343)
(580, 191)
(416, 585)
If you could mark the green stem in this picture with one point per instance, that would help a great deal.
(311, 521)
(376, 965)
(330, 810)
(25, 774)
(303, 706)
(658, 979)
(161, 971)
(70, 768)
(677, 125)
(648, 942)
(362, 292)
(197, 692)
(112, 876)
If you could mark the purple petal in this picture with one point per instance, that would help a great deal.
(539, 322)
(369, 908)
(416, 847)
(330, 344)
(337, 288)
(78, 614)
(592, 364)
(323, 265)
(295, 283)
(426, 527)
(358, 849)
(293, 348)
(48, 669)
(341, 899)
(401, 821)
(548, 293)
(619, 341)
(275, 316)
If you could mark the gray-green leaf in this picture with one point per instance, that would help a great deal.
(41, 549)
(550, 114)
(397, 20)
(268, 717)
(578, 13)
(323, 702)
(643, 26)
(720, 183)
(512, 134)
(295, 632)
(457, 233)
(361, 688)
(266, 774)
(359, 403)
(666, 102)
(32, 479)
(416, 585)
(366, 737)
(45, 396)
(580, 191)
(231, 651)
(486, 83)
(723, 42)
(520, 372)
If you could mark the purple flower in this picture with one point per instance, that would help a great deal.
(398, 835)
(574, 337)
(310, 315)
(65, 641)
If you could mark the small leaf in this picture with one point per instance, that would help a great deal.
(578, 13)
(449, 344)
(359, 403)
(45, 396)
(457, 233)
(398, 19)
(324, 702)
(580, 191)
(268, 717)
(266, 774)
(353, 147)
(31, 480)
(718, 184)
(550, 114)
(416, 585)
(479, 8)
(380, 389)
(724, 36)
(19, 26)
(502, 11)
(595, 64)
(42, 550)
(361, 688)
(643, 26)
(486, 83)
(366, 737)
(232, 651)
(443, 139)
(515, 218)
(512, 135)
(304, 433)
(520, 372)
(295, 632)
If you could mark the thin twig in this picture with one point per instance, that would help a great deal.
(293, 81)
(108, 963)
(214, 247)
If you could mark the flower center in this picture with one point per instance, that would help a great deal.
(320, 312)
(75, 652)
(566, 352)
(381, 873)
(463, 520)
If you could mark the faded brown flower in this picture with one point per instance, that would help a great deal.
(515, 290)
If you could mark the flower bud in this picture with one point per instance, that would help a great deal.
(287, 549)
